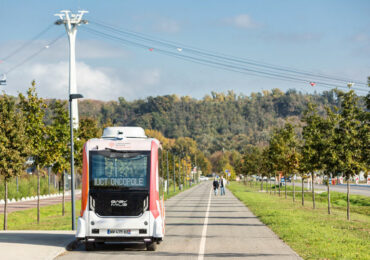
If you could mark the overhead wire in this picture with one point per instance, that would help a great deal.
(207, 61)
(101, 34)
(219, 56)
(36, 53)
(219, 64)
(26, 44)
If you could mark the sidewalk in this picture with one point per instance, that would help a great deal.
(34, 244)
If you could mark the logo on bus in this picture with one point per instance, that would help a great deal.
(118, 203)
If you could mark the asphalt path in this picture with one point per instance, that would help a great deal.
(354, 189)
(200, 225)
(23, 205)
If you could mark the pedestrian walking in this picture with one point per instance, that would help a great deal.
(215, 186)
(222, 186)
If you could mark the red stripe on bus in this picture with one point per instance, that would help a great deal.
(85, 181)
(153, 193)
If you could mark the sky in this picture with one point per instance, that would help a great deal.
(326, 37)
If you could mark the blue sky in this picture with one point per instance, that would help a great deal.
(329, 37)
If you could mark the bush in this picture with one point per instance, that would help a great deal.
(27, 186)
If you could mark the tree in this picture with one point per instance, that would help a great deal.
(13, 144)
(289, 157)
(60, 136)
(349, 148)
(313, 147)
(228, 169)
(88, 129)
(274, 153)
(33, 108)
(266, 165)
(330, 164)
(251, 160)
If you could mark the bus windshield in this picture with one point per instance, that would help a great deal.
(110, 169)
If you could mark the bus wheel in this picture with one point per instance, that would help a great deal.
(89, 246)
(151, 246)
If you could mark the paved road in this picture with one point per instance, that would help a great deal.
(354, 189)
(23, 205)
(200, 225)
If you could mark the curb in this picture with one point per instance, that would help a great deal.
(68, 246)
(47, 196)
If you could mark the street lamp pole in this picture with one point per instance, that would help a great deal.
(71, 98)
(174, 174)
(168, 177)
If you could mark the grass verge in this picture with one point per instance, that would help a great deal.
(313, 234)
(359, 204)
(51, 216)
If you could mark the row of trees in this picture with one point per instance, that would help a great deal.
(179, 157)
(334, 142)
(24, 133)
(219, 121)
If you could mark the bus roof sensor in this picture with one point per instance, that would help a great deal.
(120, 132)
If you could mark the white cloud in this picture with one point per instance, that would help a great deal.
(93, 82)
(241, 21)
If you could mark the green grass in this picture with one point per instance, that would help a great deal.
(51, 216)
(313, 234)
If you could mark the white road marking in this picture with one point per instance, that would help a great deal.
(204, 232)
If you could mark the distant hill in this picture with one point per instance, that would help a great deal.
(218, 121)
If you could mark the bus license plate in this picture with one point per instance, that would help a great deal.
(117, 231)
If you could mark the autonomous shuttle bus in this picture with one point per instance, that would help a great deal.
(121, 194)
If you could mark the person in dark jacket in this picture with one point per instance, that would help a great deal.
(215, 186)
(222, 186)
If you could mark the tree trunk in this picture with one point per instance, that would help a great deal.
(302, 191)
(293, 190)
(348, 212)
(279, 183)
(63, 199)
(38, 194)
(49, 180)
(6, 205)
(329, 196)
(267, 186)
(270, 186)
(261, 183)
(275, 185)
(313, 192)
(285, 181)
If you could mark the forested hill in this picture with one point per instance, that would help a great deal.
(218, 121)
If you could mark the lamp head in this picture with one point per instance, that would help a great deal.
(75, 96)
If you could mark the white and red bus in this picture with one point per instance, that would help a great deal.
(121, 189)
